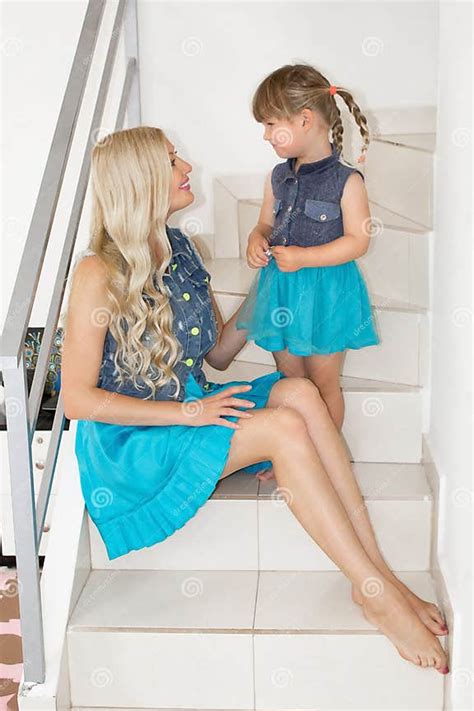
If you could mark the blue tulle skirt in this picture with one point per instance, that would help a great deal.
(314, 310)
(142, 483)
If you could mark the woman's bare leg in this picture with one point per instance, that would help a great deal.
(301, 395)
(325, 372)
(312, 498)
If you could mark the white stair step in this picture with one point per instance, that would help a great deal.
(374, 410)
(399, 176)
(246, 525)
(237, 640)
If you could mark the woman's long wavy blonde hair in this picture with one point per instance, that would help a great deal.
(294, 87)
(131, 186)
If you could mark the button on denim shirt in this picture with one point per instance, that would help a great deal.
(307, 206)
(194, 324)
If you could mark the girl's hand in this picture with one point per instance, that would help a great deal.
(289, 259)
(210, 409)
(257, 245)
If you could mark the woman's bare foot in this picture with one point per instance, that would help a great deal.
(265, 474)
(389, 611)
(428, 612)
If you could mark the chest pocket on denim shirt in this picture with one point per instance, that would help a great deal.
(322, 210)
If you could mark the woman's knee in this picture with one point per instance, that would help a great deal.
(291, 392)
(288, 424)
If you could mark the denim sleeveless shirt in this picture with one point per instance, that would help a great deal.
(307, 206)
(194, 324)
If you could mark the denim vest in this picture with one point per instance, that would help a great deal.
(307, 206)
(194, 324)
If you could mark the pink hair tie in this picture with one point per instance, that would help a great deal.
(333, 89)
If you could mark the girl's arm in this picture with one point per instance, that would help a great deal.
(258, 238)
(86, 326)
(351, 245)
(230, 341)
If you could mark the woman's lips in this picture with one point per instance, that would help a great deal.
(185, 186)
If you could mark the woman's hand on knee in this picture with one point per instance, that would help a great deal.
(211, 409)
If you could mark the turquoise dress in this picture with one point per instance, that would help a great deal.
(313, 310)
(142, 483)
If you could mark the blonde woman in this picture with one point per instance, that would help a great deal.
(154, 436)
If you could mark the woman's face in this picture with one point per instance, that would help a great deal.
(181, 193)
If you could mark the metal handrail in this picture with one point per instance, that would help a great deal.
(22, 409)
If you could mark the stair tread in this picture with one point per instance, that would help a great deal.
(227, 601)
(245, 370)
(420, 141)
(233, 276)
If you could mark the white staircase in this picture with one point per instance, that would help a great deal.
(240, 609)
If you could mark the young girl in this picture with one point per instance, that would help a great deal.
(154, 436)
(309, 302)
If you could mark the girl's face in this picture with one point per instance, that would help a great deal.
(287, 136)
(181, 194)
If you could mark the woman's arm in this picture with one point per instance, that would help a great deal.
(86, 326)
(230, 341)
(351, 245)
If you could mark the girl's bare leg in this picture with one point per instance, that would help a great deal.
(313, 499)
(301, 395)
(324, 371)
(292, 366)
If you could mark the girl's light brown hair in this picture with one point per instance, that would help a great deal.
(131, 184)
(294, 87)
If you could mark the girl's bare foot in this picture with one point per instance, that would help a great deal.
(428, 612)
(389, 611)
(265, 474)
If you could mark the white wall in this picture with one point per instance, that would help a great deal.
(450, 431)
(202, 61)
